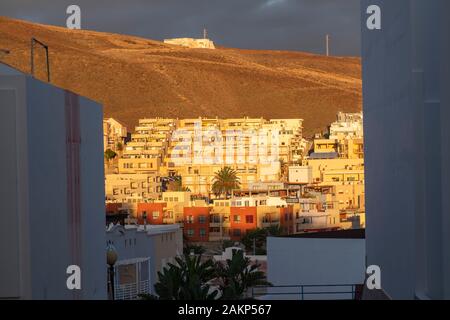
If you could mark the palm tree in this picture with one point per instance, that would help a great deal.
(187, 279)
(196, 249)
(237, 275)
(225, 181)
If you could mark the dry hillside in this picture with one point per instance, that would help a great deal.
(135, 77)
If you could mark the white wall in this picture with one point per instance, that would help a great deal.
(407, 146)
(305, 261)
(37, 233)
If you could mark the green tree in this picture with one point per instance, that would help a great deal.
(224, 182)
(237, 275)
(109, 154)
(256, 239)
(186, 279)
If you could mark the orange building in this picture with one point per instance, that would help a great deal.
(242, 219)
(196, 223)
(112, 208)
(153, 211)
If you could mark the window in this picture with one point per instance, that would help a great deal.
(237, 232)
(155, 214)
(190, 233)
(202, 233)
(248, 219)
(202, 219)
(237, 218)
(190, 219)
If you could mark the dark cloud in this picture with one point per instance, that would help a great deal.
(259, 24)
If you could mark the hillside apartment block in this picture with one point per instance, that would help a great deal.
(322, 191)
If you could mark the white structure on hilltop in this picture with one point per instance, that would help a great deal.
(406, 80)
(142, 251)
(191, 43)
(51, 190)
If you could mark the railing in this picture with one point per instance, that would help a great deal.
(132, 290)
(307, 292)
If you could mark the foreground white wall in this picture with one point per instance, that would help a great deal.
(304, 261)
(38, 229)
(406, 113)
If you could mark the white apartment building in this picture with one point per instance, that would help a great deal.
(148, 146)
(255, 201)
(132, 187)
(253, 147)
(114, 135)
(347, 126)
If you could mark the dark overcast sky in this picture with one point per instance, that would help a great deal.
(258, 24)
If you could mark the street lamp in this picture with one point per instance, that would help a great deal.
(111, 259)
(144, 216)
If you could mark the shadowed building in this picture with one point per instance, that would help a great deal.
(406, 79)
(52, 192)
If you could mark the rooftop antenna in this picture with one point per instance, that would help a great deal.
(328, 44)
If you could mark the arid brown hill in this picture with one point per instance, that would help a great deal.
(135, 78)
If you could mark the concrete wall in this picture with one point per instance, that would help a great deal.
(303, 261)
(39, 236)
(406, 146)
